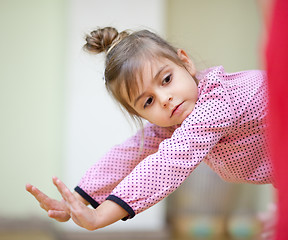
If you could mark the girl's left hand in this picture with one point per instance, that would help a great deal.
(81, 214)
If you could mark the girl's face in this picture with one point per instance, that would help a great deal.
(167, 93)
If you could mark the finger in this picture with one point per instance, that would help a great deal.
(64, 191)
(60, 216)
(29, 188)
(40, 196)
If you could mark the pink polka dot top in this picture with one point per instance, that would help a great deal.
(227, 130)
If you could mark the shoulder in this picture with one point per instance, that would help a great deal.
(218, 73)
(217, 78)
(245, 76)
(209, 79)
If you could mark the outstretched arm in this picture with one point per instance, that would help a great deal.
(99, 180)
(91, 219)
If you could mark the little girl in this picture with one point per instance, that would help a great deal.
(210, 116)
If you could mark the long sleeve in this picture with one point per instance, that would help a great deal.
(105, 174)
(161, 173)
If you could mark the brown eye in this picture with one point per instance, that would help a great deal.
(148, 102)
(167, 79)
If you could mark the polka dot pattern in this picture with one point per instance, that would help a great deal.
(106, 173)
(227, 130)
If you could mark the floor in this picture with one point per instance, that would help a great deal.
(45, 236)
(39, 230)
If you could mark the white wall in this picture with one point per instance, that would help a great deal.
(93, 121)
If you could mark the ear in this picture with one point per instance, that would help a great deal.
(187, 61)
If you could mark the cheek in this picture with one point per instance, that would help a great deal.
(152, 116)
(191, 88)
(143, 114)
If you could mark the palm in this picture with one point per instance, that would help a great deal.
(79, 212)
(83, 215)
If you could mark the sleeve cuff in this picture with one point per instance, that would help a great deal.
(89, 199)
(122, 204)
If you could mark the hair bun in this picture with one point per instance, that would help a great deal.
(102, 39)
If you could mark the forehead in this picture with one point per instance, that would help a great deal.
(134, 79)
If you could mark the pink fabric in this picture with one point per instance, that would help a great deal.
(105, 174)
(226, 130)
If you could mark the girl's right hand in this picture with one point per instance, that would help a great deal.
(56, 209)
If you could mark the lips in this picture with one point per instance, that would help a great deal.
(175, 109)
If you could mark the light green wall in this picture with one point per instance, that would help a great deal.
(221, 32)
(31, 99)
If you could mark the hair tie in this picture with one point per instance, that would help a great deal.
(115, 42)
(118, 39)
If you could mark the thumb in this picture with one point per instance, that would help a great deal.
(60, 216)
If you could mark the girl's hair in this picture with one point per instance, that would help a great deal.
(126, 54)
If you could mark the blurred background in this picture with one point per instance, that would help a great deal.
(57, 119)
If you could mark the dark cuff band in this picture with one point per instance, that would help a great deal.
(122, 204)
(89, 199)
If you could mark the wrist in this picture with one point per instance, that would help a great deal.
(107, 213)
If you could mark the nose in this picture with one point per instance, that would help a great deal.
(166, 101)
(164, 97)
